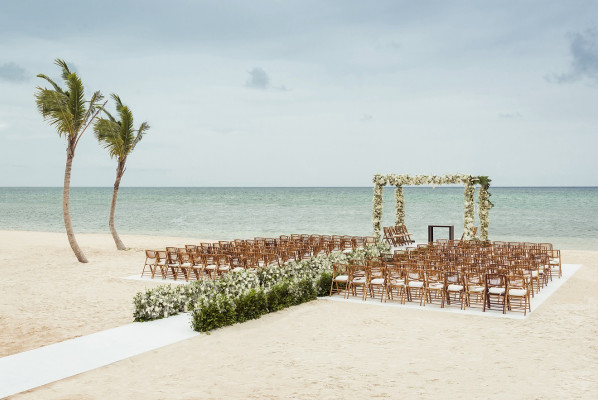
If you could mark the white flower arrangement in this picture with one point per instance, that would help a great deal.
(399, 206)
(469, 207)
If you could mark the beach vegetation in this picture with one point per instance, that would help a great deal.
(67, 110)
(119, 137)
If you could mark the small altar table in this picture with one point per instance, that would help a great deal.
(451, 229)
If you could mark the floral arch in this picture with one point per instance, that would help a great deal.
(468, 181)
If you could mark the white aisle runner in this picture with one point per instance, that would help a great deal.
(30, 369)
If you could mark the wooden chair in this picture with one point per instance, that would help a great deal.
(185, 264)
(414, 283)
(346, 244)
(376, 284)
(237, 263)
(210, 265)
(358, 242)
(198, 265)
(388, 236)
(496, 288)
(455, 290)
(554, 262)
(534, 272)
(402, 236)
(172, 263)
(161, 262)
(396, 283)
(206, 248)
(358, 279)
(434, 289)
(475, 289)
(370, 241)
(340, 279)
(151, 260)
(517, 294)
(222, 263)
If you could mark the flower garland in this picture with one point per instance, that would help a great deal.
(485, 205)
(469, 208)
(379, 183)
(399, 206)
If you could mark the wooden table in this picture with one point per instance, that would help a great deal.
(451, 229)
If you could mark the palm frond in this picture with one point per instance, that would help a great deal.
(77, 100)
(143, 128)
(94, 105)
(56, 87)
(107, 132)
(54, 107)
(65, 68)
(119, 103)
(110, 117)
(126, 129)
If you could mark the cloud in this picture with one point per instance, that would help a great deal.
(366, 118)
(584, 51)
(258, 79)
(12, 72)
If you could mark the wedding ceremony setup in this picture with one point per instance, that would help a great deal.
(262, 200)
(466, 273)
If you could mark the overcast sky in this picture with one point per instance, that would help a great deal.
(310, 93)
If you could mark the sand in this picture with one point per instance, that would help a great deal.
(322, 349)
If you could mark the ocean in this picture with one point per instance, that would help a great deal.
(564, 216)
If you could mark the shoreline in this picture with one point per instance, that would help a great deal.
(49, 297)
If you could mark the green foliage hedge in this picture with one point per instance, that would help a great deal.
(222, 311)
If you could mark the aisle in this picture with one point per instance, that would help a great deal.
(33, 368)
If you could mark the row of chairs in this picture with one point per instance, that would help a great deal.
(188, 266)
(212, 259)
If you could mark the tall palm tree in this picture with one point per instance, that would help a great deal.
(120, 138)
(69, 112)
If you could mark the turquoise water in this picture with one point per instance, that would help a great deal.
(567, 217)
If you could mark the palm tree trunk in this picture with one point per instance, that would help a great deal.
(65, 208)
(120, 170)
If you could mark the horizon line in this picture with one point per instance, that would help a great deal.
(290, 187)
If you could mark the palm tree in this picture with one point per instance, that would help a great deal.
(69, 112)
(120, 139)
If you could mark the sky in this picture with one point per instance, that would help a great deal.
(310, 93)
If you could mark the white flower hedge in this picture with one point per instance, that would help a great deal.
(469, 208)
(238, 296)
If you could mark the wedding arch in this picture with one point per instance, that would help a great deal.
(469, 182)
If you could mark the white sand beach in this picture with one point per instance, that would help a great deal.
(321, 349)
